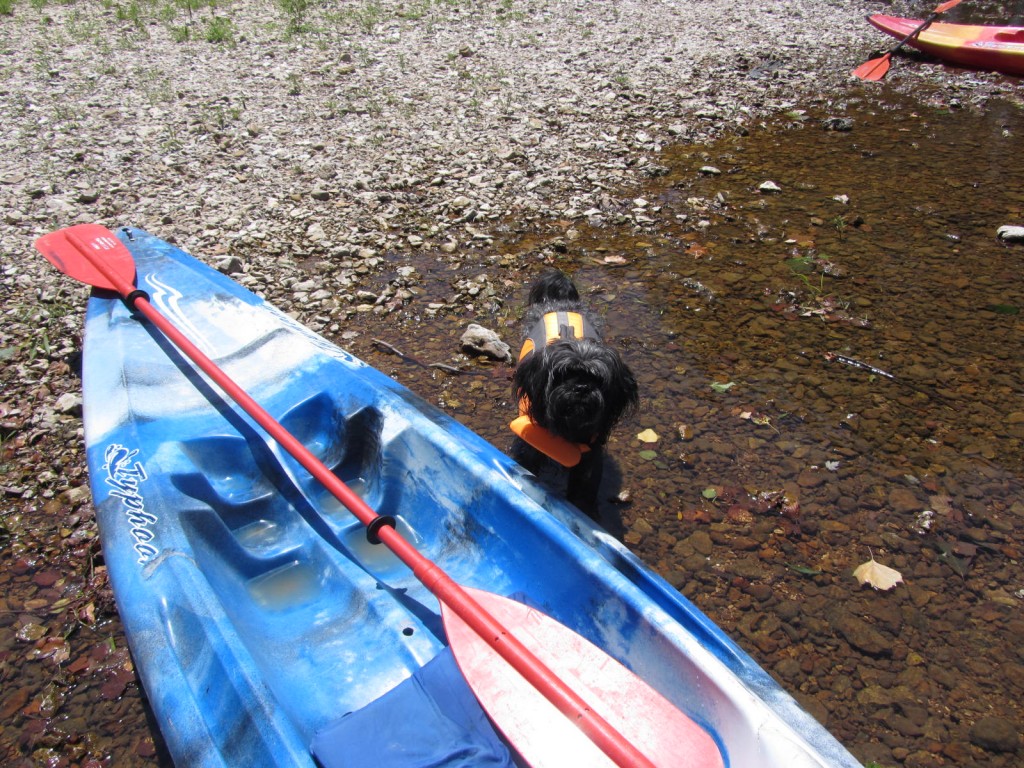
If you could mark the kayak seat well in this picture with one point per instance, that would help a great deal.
(226, 464)
(430, 719)
(251, 510)
(348, 444)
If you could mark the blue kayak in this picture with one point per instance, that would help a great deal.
(268, 630)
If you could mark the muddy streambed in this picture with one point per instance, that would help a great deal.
(831, 367)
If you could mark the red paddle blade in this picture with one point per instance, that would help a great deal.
(875, 69)
(91, 254)
(544, 736)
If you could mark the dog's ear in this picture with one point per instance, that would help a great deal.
(529, 382)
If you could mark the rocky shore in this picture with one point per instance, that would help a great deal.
(314, 152)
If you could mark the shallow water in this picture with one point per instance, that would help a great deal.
(834, 373)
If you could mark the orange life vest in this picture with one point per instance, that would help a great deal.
(550, 328)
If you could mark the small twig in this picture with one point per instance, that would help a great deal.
(929, 392)
(449, 369)
(393, 350)
(830, 356)
(439, 366)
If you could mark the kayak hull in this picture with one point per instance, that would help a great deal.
(995, 48)
(261, 619)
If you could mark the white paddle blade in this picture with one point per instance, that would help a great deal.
(542, 735)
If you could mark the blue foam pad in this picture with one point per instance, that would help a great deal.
(428, 721)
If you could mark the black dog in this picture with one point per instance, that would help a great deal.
(572, 389)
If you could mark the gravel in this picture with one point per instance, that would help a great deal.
(336, 133)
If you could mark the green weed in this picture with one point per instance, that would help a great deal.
(296, 11)
(220, 30)
(131, 13)
(154, 84)
(840, 224)
(366, 16)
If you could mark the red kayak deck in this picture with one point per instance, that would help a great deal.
(1000, 49)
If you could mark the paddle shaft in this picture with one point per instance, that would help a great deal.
(927, 22)
(443, 587)
(875, 69)
(940, 8)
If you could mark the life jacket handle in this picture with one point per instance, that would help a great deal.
(565, 452)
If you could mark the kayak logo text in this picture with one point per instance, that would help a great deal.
(124, 474)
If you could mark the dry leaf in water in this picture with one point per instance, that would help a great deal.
(877, 575)
(648, 436)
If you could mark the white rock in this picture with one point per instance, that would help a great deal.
(69, 403)
(482, 341)
(769, 187)
(1011, 234)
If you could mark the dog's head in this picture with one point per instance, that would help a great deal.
(577, 389)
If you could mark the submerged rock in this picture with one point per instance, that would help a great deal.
(837, 124)
(995, 734)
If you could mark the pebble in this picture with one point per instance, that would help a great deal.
(70, 403)
(904, 500)
(863, 636)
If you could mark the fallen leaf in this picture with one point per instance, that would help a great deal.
(648, 436)
(943, 505)
(960, 565)
(720, 387)
(648, 455)
(696, 515)
(710, 493)
(965, 549)
(739, 515)
(877, 575)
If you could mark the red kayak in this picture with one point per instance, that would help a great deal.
(1000, 49)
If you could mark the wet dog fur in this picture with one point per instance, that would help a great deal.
(577, 389)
